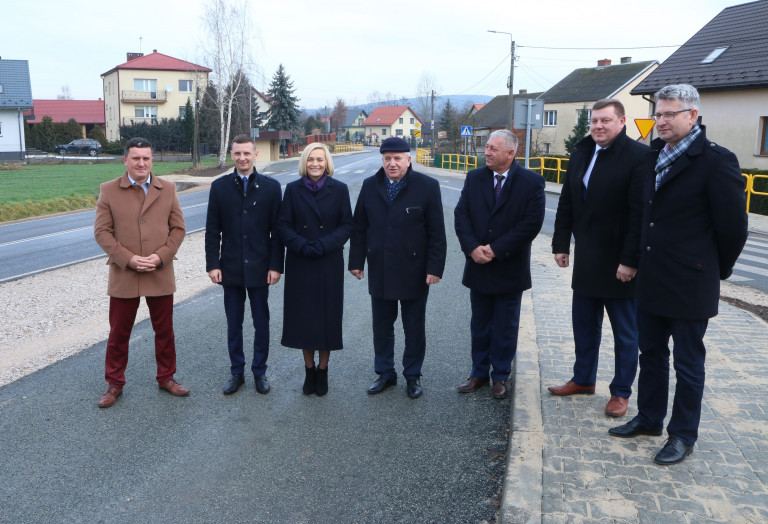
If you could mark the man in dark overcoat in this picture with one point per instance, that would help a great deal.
(601, 205)
(499, 213)
(243, 254)
(694, 228)
(400, 230)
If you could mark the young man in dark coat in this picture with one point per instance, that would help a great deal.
(400, 230)
(243, 254)
(499, 213)
(694, 228)
(601, 205)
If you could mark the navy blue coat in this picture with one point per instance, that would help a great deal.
(241, 230)
(313, 301)
(509, 225)
(605, 224)
(694, 228)
(404, 242)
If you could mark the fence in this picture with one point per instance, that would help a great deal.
(347, 147)
(424, 156)
(456, 162)
(762, 207)
(539, 164)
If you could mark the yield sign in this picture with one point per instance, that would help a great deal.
(644, 125)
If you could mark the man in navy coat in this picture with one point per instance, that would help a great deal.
(601, 204)
(243, 254)
(400, 230)
(694, 228)
(500, 212)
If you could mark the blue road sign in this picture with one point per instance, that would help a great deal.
(466, 130)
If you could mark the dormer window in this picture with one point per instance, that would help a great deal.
(714, 55)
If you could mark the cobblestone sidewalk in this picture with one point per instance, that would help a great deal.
(564, 467)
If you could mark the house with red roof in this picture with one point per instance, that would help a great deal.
(387, 121)
(87, 113)
(148, 88)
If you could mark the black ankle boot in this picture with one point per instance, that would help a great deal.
(309, 380)
(321, 382)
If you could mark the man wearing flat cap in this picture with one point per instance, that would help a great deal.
(400, 230)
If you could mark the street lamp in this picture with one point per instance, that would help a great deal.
(511, 75)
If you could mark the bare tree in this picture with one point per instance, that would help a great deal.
(424, 89)
(229, 28)
(338, 115)
(66, 93)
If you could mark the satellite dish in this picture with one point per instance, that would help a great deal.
(169, 88)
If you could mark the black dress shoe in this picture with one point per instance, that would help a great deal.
(633, 428)
(234, 384)
(321, 382)
(381, 384)
(414, 388)
(673, 452)
(262, 384)
(309, 380)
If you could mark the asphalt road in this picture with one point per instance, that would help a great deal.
(283, 457)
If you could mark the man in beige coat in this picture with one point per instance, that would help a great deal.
(140, 226)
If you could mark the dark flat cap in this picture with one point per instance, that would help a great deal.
(394, 144)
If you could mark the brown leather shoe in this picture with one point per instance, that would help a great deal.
(472, 384)
(571, 388)
(174, 388)
(110, 396)
(499, 389)
(617, 406)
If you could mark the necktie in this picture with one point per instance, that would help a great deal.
(497, 187)
(245, 184)
(590, 168)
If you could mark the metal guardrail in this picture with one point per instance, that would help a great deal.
(542, 169)
(347, 147)
(461, 162)
(424, 156)
(749, 189)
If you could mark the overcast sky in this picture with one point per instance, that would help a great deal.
(348, 50)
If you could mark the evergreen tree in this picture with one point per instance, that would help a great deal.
(45, 134)
(450, 123)
(188, 125)
(580, 130)
(284, 113)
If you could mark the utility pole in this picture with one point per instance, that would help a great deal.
(196, 140)
(434, 135)
(511, 76)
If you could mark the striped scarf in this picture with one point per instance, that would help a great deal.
(671, 153)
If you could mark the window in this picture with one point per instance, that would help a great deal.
(547, 148)
(550, 118)
(589, 115)
(413, 120)
(764, 141)
(2, 90)
(383, 130)
(182, 112)
(185, 86)
(714, 55)
(401, 120)
(145, 112)
(145, 85)
(399, 132)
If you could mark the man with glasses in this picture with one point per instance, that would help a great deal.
(694, 227)
(601, 205)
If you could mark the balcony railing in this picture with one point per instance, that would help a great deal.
(144, 96)
(133, 120)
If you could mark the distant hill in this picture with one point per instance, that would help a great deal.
(458, 101)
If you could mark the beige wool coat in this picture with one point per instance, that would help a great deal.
(129, 223)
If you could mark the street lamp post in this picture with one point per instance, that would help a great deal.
(511, 76)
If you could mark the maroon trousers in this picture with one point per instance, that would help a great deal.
(122, 315)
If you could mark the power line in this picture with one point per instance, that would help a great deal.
(598, 48)
(486, 76)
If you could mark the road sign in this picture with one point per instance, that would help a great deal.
(466, 130)
(524, 117)
(417, 124)
(417, 132)
(644, 125)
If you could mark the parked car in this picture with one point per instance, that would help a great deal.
(81, 146)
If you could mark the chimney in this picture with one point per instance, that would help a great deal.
(133, 56)
(604, 62)
(154, 50)
(626, 59)
(523, 92)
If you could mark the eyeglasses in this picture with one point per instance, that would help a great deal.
(668, 116)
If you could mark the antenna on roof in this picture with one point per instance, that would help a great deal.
(140, 43)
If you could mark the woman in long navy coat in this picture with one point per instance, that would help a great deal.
(315, 223)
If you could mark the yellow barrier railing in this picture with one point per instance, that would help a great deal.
(347, 147)
(461, 162)
(540, 168)
(750, 187)
(424, 156)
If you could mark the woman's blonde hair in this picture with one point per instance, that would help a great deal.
(305, 155)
